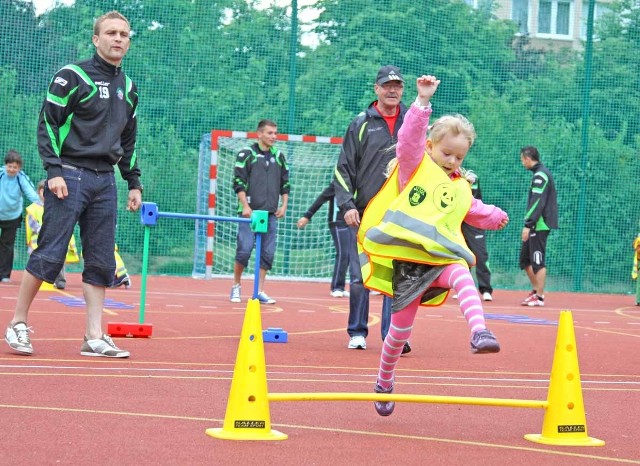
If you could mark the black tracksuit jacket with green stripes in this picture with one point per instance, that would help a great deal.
(88, 119)
(542, 201)
(366, 150)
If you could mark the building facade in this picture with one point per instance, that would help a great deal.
(548, 23)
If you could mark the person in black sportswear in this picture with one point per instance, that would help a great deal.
(540, 218)
(261, 182)
(342, 235)
(477, 242)
(87, 125)
(359, 175)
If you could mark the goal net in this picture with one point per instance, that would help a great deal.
(302, 254)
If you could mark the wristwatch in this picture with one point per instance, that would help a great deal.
(139, 188)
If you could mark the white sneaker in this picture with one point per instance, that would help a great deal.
(337, 294)
(487, 296)
(17, 336)
(455, 296)
(265, 299)
(346, 294)
(357, 342)
(536, 301)
(102, 347)
(235, 294)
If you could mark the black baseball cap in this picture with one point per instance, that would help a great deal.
(388, 73)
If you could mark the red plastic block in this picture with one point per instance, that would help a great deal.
(123, 329)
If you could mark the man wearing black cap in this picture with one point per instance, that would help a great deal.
(359, 176)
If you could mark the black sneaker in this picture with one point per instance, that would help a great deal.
(124, 280)
(483, 341)
(384, 408)
(406, 348)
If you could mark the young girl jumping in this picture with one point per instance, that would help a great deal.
(411, 231)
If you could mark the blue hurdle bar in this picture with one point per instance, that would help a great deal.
(149, 215)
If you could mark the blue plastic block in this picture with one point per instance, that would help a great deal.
(149, 213)
(274, 335)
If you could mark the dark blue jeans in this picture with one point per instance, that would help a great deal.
(247, 239)
(91, 203)
(359, 303)
(346, 256)
(477, 242)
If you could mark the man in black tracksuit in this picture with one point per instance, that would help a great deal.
(87, 125)
(261, 182)
(477, 242)
(342, 235)
(359, 175)
(540, 218)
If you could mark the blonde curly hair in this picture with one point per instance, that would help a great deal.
(454, 124)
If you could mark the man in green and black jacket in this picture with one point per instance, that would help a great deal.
(540, 218)
(261, 182)
(87, 125)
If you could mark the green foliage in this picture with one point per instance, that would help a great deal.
(19, 121)
(227, 64)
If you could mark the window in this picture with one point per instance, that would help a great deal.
(484, 5)
(520, 14)
(555, 17)
(599, 10)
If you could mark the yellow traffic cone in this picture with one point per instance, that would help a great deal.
(247, 415)
(47, 287)
(564, 419)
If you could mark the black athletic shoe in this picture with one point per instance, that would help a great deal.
(125, 281)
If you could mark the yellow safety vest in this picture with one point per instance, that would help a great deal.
(420, 224)
(121, 269)
(37, 211)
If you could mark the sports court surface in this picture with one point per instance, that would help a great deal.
(57, 407)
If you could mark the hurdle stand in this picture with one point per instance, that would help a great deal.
(149, 215)
(247, 415)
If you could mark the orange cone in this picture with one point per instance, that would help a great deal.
(564, 419)
(247, 415)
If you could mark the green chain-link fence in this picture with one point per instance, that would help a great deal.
(227, 64)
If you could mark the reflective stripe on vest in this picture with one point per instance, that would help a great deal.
(421, 224)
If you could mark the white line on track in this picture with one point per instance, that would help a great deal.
(544, 381)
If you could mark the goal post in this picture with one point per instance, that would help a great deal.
(301, 254)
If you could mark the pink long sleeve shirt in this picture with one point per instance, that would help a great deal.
(410, 150)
